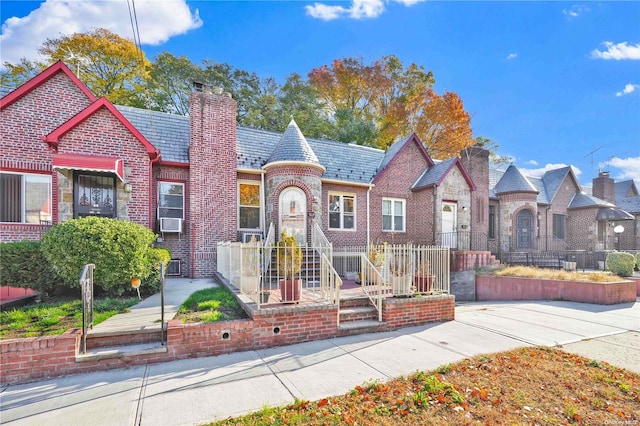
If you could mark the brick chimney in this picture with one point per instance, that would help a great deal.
(476, 161)
(212, 175)
(603, 187)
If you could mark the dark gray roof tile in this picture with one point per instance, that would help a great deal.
(582, 199)
(514, 181)
(293, 146)
(432, 175)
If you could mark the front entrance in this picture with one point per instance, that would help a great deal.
(449, 223)
(524, 230)
(293, 213)
(94, 195)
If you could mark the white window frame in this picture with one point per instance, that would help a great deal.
(393, 215)
(23, 198)
(168, 182)
(342, 196)
(259, 185)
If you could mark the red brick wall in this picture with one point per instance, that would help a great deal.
(103, 134)
(31, 359)
(23, 124)
(476, 163)
(346, 238)
(212, 178)
(178, 244)
(395, 182)
(516, 288)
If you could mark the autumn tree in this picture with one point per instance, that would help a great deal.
(171, 81)
(14, 75)
(110, 65)
(394, 101)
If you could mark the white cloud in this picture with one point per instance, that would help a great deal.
(157, 22)
(358, 9)
(629, 88)
(617, 51)
(628, 168)
(575, 11)
(512, 56)
(542, 170)
(532, 162)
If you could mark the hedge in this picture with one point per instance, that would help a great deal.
(620, 263)
(24, 265)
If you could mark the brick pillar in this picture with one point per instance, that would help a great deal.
(212, 176)
(476, 162)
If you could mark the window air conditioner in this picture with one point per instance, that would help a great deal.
(170, 224)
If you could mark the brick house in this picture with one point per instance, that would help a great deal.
(202, 179)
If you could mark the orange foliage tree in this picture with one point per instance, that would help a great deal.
(398, 100)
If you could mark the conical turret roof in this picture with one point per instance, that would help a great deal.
(293, 146)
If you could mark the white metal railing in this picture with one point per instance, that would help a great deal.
(372, 282)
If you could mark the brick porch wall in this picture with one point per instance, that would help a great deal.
(30, 359)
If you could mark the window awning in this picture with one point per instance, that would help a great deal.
(612, 214)
(92, 163)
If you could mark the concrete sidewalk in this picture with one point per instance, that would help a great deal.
(205, 389)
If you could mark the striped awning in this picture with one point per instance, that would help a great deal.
(92, 163)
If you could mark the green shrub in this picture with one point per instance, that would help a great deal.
(157, 256)
(620, 263)
(119, 249)
(638, 260)
(23, 265)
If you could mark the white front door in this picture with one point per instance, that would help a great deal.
(293, 213)
(449, 225)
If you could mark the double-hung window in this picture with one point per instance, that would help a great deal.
(249, 206)
(342, 208)
(170, 200)
(25, 198)
(393, 215)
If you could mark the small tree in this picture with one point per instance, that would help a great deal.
(289, 257)
(120, 250)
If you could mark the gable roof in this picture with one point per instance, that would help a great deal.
(293, 146)
(53, 138)
(397, 146)
(552, 180)
(39, 80)
(435, 174)
(514, 181)
(625, 188)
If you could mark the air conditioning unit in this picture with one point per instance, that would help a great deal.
(170, 224)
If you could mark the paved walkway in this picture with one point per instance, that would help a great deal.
(146, 314)
(200, 390)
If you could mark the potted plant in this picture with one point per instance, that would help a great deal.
(376, 256)
(289, 259)
(401, 275)
(424, 277)
(251, 270)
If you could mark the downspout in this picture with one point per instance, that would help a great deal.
(546, 228)
(153, 161)
(369, 217)
(435, 199)
(264, 203)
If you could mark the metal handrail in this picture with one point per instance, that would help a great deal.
(372, 283)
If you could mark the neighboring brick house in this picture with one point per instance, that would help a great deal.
(201, 179)
(553, 213)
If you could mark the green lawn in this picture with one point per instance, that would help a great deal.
(50, 319)
(210, 305)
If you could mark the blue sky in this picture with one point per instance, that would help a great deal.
(550, 82)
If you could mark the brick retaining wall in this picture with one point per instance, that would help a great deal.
(516, 288)
(30, 359)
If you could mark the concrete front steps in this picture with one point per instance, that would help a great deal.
(122, 344)
(357, 316)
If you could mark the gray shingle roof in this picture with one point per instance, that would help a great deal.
(392, 151)
(543, 196)
(630, 204)
(582, 199)
(167, 132)
(514, 181)
(293, 146)
(432, 175)
(625, 188)
(552, 180)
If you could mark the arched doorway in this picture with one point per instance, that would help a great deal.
(293, 213)
(524, 230)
